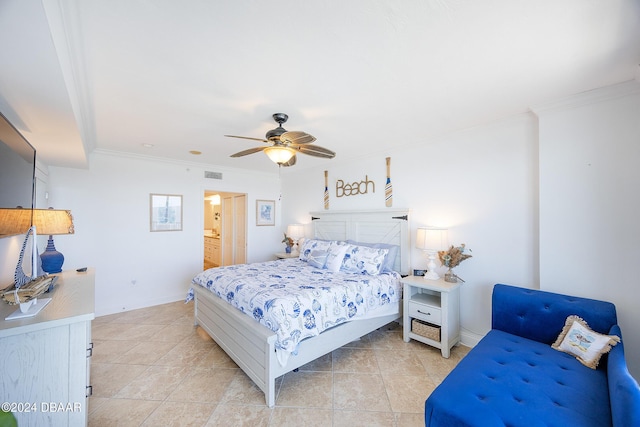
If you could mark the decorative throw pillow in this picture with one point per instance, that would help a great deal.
(390, 259)
(317, 258)
(335, 257)
(580, 341)
(364, 260)
(311, 245)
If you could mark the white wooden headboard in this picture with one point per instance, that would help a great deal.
(390, 226)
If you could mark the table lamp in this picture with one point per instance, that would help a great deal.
(431, 240)
(52, 222)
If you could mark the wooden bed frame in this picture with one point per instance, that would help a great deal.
(252, 345)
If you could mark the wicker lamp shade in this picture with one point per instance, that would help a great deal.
(14, 221)
(53, 221)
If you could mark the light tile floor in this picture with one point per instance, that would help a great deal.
(152, 367)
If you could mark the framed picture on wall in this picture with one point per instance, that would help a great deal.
(265, 212)
(165, 212)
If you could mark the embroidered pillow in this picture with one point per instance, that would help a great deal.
(311, 245)
(364, 260)
(390, 259)
(580, 341)
(317, 258)
(337, 250)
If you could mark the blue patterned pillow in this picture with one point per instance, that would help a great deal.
(390, 259)
(337, 250)
(312, 245)
(317, 258)
(364, 260)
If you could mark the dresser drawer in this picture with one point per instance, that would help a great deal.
(426, 312)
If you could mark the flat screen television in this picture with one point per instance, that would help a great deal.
(17, 171)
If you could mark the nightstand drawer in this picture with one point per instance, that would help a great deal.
(425, 312)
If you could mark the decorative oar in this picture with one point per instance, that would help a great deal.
(388, 190)
(326, 189)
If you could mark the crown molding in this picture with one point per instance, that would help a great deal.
(594, 96)
(185, 163)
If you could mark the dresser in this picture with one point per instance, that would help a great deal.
(45, 360)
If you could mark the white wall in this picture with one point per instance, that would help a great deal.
(481, 183)
(589, 202)
(110, 205)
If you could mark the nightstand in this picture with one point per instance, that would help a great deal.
(433, 304)
(281, 255)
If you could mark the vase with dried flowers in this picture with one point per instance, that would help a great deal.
(451, 258)
(288, 241)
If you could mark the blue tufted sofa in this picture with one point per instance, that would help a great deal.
(513, 377)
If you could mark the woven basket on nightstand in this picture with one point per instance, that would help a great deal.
(425, 329)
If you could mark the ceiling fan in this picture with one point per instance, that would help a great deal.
(285, 144)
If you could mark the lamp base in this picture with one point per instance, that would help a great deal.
(431, 267)
(431, 275)
(52, 260)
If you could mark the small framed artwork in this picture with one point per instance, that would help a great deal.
(165, 212)
(265, 212)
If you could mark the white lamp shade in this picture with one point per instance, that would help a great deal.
(295, 231)
(431, 239)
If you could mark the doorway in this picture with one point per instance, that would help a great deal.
(225, 228)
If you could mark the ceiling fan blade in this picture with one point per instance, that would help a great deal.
(291, 162)
(315, 150)
(247, 137)
(296, 137)
(248, 151)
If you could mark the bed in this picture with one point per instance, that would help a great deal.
(263, 350)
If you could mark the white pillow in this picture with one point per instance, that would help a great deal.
(364, 260)
(580, 341)
(335, 257)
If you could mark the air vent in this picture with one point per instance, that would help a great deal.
(213, 175)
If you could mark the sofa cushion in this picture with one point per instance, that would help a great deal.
(580, 341)
(509, 380)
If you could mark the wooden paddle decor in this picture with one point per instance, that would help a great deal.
(388, 190)
(326, 189)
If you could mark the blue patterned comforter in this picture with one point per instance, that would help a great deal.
(297, 300)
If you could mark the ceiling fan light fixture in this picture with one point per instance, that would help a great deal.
(285, 145)
(279, 155)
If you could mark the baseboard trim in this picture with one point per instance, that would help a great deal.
(105, 311)
(468, 338)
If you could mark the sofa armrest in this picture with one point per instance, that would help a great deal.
(540, 315)
(624, 392)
